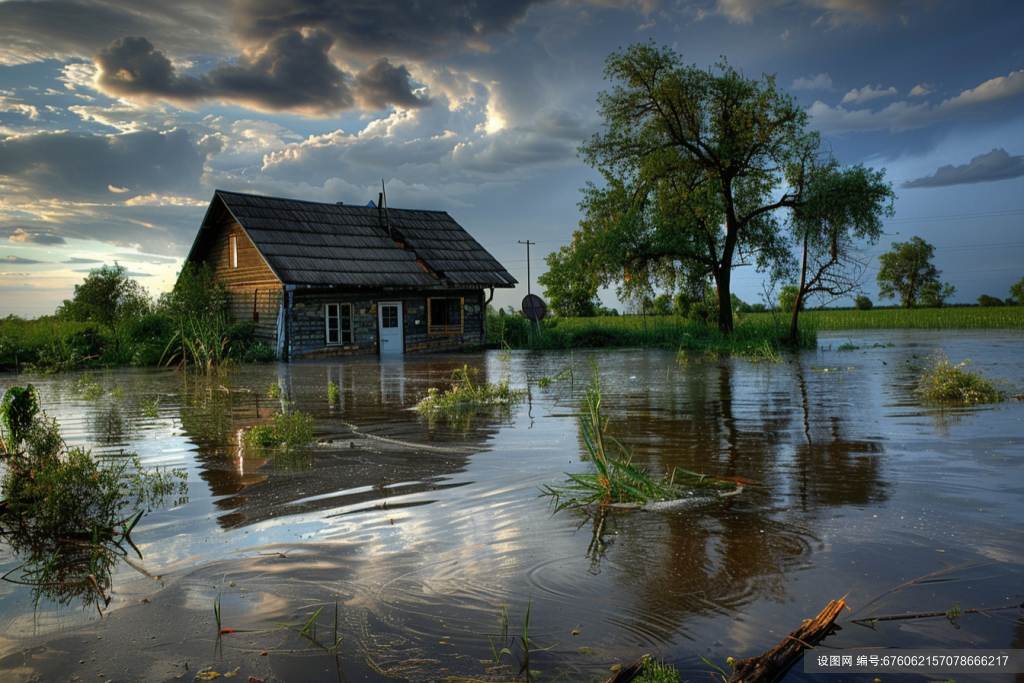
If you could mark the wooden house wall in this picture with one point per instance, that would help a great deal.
(307, 327)
(251, 280)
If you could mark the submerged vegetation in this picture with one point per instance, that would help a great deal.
(948, 384)
(288, 431)
(465, 399)
(616, 480)
(65, 511)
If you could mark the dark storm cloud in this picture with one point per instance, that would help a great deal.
(371, 28)
(28, 237)
(292, 72)
(382, 84)
(995, 165)
(31, 30)
(74, 165)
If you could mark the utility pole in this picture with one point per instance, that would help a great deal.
(527, 243)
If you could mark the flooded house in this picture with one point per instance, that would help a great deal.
(323, 279)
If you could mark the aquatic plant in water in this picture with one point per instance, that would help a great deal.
(65, 511)
(616, 480)
(465, 398)
(289, 430)
(949, 384)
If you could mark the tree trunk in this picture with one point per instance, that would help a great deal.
(794, 333)
(724, 300)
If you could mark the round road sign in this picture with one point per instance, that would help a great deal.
(534, 307)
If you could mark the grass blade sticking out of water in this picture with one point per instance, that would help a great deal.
(311, 623)
(615, 479)
(216, 611)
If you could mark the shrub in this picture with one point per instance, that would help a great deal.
(950, 384)
(862, 303)
(986, 300)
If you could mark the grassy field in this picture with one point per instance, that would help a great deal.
(755, 333)
(965, 318)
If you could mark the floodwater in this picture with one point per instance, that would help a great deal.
(412, 536)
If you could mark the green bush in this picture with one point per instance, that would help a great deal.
(288, 431)
(949, 384)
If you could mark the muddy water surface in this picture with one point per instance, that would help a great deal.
(412, 536)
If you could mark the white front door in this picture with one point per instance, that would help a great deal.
(389, 321)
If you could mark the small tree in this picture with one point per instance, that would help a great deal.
(862, 303)
(109, 297)
(985, 300)
(907, 270)
(842, 206)
(787, 299)
(1017, 293)
(195, 294)
(570, 284)
(662, 304)
(934, 294)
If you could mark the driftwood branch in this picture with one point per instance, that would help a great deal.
(773, 664)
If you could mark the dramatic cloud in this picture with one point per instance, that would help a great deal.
(835, 12)
(73, 165)
(868, 93)
(900, 116)
(819, 82)
(292, 72)
(77, 260)
(19, 259)
(31, 30)
(382, 84)
(995, 165)
(368, 30)
(25, 237)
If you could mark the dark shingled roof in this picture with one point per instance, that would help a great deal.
(312, 243)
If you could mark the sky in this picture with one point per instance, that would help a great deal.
(119, 119)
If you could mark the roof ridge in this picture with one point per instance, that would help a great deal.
(311, 201)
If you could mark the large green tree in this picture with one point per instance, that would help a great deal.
(109, 297)
(907, 270)
(696, 164)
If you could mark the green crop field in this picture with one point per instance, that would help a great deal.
(965, 318)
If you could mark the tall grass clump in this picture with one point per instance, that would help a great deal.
(464, 398)
(288, 431)
(948, 384)
(65, 512)
(615, 479)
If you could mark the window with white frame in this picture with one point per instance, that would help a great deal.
(444, 315)
(234, 251)
(339, 324)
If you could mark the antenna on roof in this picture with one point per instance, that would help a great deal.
(387, 219)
